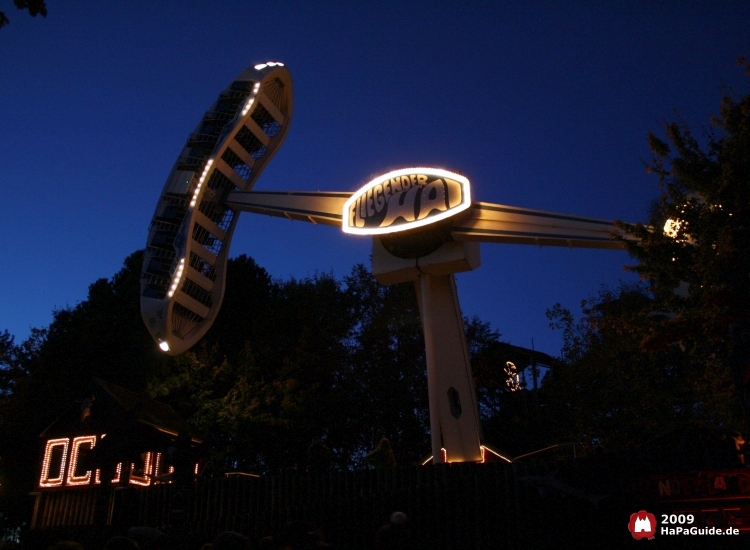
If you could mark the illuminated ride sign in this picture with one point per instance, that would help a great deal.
(405, 199)
(61, 465)
(423, 221)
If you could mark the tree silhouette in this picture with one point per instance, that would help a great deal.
(34, 7)
(695, 255)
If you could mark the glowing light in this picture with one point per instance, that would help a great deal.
(262, 66)
(672, 228)
(98, 473)
(175, 282)
(206, 169)
(513, 382)
(72, 478)
(442, 451)
(118, 473)
(247, 106)
(145, 479)
(374, 209)
(157, 466)
(45, 480)
(483, 448)
(200, 182)
(164, 346)
(675, 229)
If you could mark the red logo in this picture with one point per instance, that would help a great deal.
(642, 525)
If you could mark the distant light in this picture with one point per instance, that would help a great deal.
(268, 64)
(145, 479)
(672, 227)
(164, 346)
(505, 458)
(247, 106)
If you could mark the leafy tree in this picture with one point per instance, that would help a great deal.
(614, 391)
(287, 362)
(674, 350)
(695, 255)
(102, 336)
(316, 359)
(34, 7)
(387, 372)
(513, 421)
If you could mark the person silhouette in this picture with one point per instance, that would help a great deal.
(382, 456)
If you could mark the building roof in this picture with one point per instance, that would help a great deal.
(525, 356)
(108, 408)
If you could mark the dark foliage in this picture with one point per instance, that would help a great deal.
(695, 255)
(286, 363)
(674, 351)
(34, 7)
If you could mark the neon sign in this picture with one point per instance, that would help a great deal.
(54, 465)
(85, 478)
(60, 465)
(405, 199)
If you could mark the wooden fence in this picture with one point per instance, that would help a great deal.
(449, 506)
(584, 502)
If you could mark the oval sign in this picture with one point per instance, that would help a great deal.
(405, 199)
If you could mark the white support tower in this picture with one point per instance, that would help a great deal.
(429, 255)
(424, 226)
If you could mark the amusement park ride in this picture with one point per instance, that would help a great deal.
(423, 222)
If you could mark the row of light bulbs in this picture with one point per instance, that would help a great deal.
(71, 479)
(248, 105)
(251, 99)
(177, 277)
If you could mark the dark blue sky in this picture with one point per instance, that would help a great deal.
(540, 104)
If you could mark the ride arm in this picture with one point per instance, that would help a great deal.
(487, 222)
(318, 207)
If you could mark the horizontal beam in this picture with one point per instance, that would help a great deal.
(324, 207)
(484, 221)
(497, 223)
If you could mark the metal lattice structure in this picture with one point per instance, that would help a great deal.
(182, 281)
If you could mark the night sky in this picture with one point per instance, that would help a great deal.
(541, 105)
